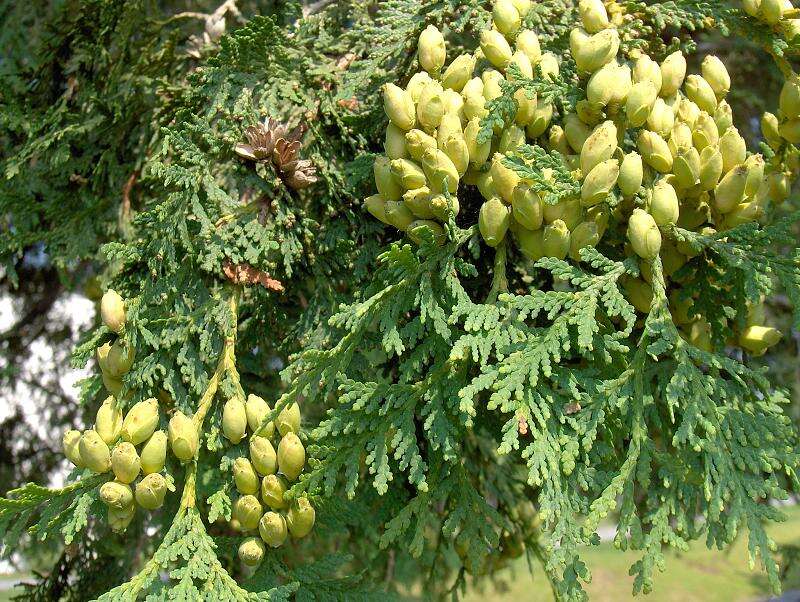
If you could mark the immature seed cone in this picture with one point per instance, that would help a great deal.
(631, 173)
(599, 182)
(300, 518)
(506, 17)
(263, 455)
(288, 419)
(257, 409)
(125, 462)
(664, 205)
(116, 495)
(585, 234)
(593, 15)
(711, 167)
(431, 50)
(654, 151)
(430, 107)
(730, 191)
(154, 453)
(686, 167)
(234, 420)
(530, 243)
(399, 215)
(71, 445)
(419, 202)
(643, 234)
(183, 437)
(418, 81)
(291, 456)
(119, 359)
(94, 452)
(395, 142)
(272, 489)
(757, 339)
(441, 173)
(245, 477)
(416, 228)
(495, 48)
(556, 240)
(527, 207)
(376, 206)
(247, 510)
(251, 551)
(661, 119)
(715, 73)
(593, 51)
(494, 220)
(150, 491)
(140, 422)
(528, 42)
(639, 104)
(399, 107)
(459, 72)
(673, 72)
(770, 130)
(646, 69)
(272, 528)
(388, 187)
(599, 146)
(119, 519)
(700, 92)
(108, 422)
(112, 311)
(504, 179)
(407, 173)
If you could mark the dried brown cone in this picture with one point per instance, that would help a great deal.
(243, 273)
(273, 141)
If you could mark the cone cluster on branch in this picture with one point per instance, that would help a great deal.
(779, 14)
(263, 476)
(688, 165)
(273, 142)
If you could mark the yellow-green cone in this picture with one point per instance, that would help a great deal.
(541, 119)
(705, 132)
(733, 149)
(154, 453)
(493, 221)
(646, 69)
(639, 294)
(272, 489)
(245, 477)
(686, 167)
(431, 50)
(417, 227)
(248, 510)
(419, 202)
(593, 51)
(300, 518)
(430, 107)
(183, 437)
(528, 42)
(459, 72)
(506, 17)
(116, 495)
(527, 207)
(661, 119)
(120, 358)
(654, 151)
(125, 462)
(140, 422)
(118, 520)
(108, 422)
(395, 142)
(150, 491)
(94, 452)
(770, 129)
(673, 72)
(263, 456)
(664, 206)
(711, 166)
(257, 409)
(399, 106)
(593, 15)
(388, 187)
(418, 142)
(599, 182)
(440, 171)
(599, 146)
(504, 179)
(251, 551)
(757, 339)
(700, 92)
(530, 243)
(407, 173)
(715, 73)
(70, 443)
(272, 529)
(585, 234)
(478, 153)
(398, 215)
(495, 48)
(730, 191)
(288, 419)
(234, 420)
(112, 311)
(639, 104)
(643, 234)
(291, 456)
(556, 240)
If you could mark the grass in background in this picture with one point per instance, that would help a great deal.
(700, 575)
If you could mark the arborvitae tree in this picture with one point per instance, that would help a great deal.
(554, 328)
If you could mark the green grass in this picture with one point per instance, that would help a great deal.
(700, 575)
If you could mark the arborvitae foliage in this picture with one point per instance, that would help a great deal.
(461, 406)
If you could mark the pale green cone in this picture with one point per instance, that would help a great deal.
(643, 234)
(700, 92)
(526, 107)
(456, 149)
(556, 240)
(511, 139)
(530, 243)
(492, 84)
(478, 153)
(661, 119)
(528, 42)
(730, 190)
(154, 453)
(453, 104)
(140, 422)
(272, 529)
(485, 184)
(116, 495)
(414, 86)
(459, 72)
(388, 187)
(557, 140)
(541, 119)
(723, 117)
(599, 146)
(705, 132)
(654, 151)
(744, 213)
(376, 206)
(70, 443)
(680, 138)
(569, 211)
(407, 173)
(108, 422)
(119, 359)
(495, 48)
(441, 207)
(245, 477)
(771, 11)
(526, 207)
(430, 107)
(521, 60)
(631, 173)
(112, 311)
(399, 106)
(585, 234)
(593, 51)
(673, 72)
(711, 166)
(494, 220)
(263, 456)
(257, 409)
(789, 100)
(593, 15)
(417, 143)
(755, 175)
(419, 202)
(504, 179)
(272, 489)
(431, 51)
(417, 227)
(589, 113)
(715, 73)
(687, 111)
(94, 452)
(639, 104)
(234, 420)
(399, 215)
(300, 518)
(150, 491)
(646, 69)
(125, 462)
(183, 437)
(440, 171)
(119, 519)
(757, 339)
(577, 132)
(251, 551)
(770, 129)
(599, 182)
(686, 167)
(247, 510)
(790, 131)
(639, 294)
(664, 206)
(506, 17)
(733, 149)
(395, 142)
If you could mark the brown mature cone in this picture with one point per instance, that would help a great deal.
(272, 140)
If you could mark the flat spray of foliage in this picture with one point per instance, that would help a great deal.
(448, 388)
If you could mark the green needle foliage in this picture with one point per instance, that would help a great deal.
(461, 408)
